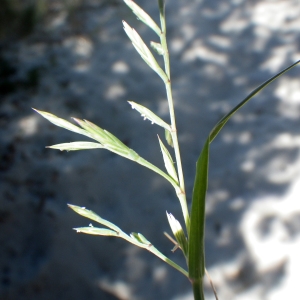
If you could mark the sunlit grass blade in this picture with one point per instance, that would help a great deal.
(140, 238)
(169, 164)
(136, 239)
(73, 146)
(148, 114)
(196, 261)
(168, 138)
(224, 120)
(144, 51)
(196, 258)
(107, 141)
(96, 231)
(62, 123)
(157, 47)
(97, 134)
(93, 216)
(143, 16)
(178, 233)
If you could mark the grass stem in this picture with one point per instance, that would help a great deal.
(163, 40)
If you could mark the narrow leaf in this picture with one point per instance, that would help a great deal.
(157, 47)
(144, 51)
(97, 134)
(148, 114)
(196, 233)
(136, 239)
(62, 123)
(132, 155)
(140, 238)
(169, 164)
(178, 233)
(76, 146)
(196, 256)
(168, 138)
(143, 16)
(143, 239)
(93, 216)
(107, 136)
(96, 231)
(139, 44)
(108, 140)
(224, 120)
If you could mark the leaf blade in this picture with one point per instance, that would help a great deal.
(61, 122)
(143, 16)
(96, 231)
(168, 161)
(178, 233)
(144, 51)
(93, 216)
(73, 146)
(196, 261)
(148, 114)
(214, 132)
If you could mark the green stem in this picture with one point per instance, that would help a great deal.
(167, 260)
(198, 289)
(181, 195)
(153, 250)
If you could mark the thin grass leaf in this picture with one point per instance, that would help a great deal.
(96, 231)
(133, 155)
(196, 262)
(96, 134)
(62, 123)
(168, 138)
(143, 239)
(106, 135)
(107, 140)
(114, 138)
(139, 44)
(144, 51)
(148, 114)
(178, 233)
(140, 238)
(196, 256)
(93, 216)
(73, 146)
(224, 120)
(157, 47)
(102, 132)
(169, 164)
(143, 16)
(136, 239)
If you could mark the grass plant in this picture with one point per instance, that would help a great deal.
(189, 237)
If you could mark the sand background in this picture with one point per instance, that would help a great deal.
(76, 61)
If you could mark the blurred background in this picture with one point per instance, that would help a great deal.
(73, 59)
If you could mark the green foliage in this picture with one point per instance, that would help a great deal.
(192, 242)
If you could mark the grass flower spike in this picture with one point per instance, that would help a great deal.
(190, 235)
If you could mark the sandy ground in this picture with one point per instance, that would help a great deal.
(80, 63)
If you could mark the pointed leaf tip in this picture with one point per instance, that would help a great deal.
(148, 114)
(61, 122)
(143, 16)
